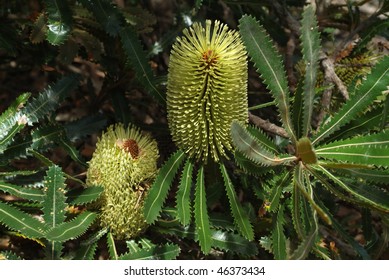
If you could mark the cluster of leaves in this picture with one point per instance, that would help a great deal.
(346, 157)
(351, 164)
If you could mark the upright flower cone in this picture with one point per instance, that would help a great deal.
(207, 89)
(124, 163)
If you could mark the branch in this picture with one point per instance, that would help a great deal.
(268, 126)
(330, 76)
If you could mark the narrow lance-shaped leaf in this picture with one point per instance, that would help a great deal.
(20, 221)
(366, 194)
(278, 235)
(201, 213)
(240, 216)
(73, 228)
(221, 239)
(10, 116)
(252, 149)
(106, 14)
(281, 182)
(158, 191)
(113, 254)
(304, 186)
(370, 149)
(86, 252)
(268, 63)
(33, 194)
(183, 194)
(49, 99)
(373, 85)
(82, 196)
(310, 50)
(378, 176)
(59, 21)
(137, 58)
(298, 109)
(361, 125)
(229, 241)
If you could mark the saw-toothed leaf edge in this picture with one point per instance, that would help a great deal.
(270, 66)
(160, 188)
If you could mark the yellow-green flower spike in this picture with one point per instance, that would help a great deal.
(207, 89)
(124, 163)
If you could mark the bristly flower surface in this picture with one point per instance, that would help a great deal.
(207, 89)
(124, 163)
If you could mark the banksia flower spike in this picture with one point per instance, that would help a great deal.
(124, 163)
(207, 89)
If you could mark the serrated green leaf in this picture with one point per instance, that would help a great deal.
(71, 150)
(228, 241)
(82, 196)
(310, 38)
(137, 58)
(73, 228)
(252, 149)
(95, 237)
(159, 190)
(366, 195)
(46, 135)
(59, 21)
(86, 252)
(278, 235)
(18, 149)
(370, 149)
(162, 252)
(305, 246)
(113, 254)
(49, 99)
(9, 117)
(379, 176)
(106, 14)
(363, 124)
(20, 221)
(33, 194)
(183, 194)
(241, 218)
(303, 186)
(281, 181)
(39, 29)
(221, 239)
(373, 85)
(12, 121)
(298, 109)
(201, 213)
(248, 166)
(268, 63)
(85, 126)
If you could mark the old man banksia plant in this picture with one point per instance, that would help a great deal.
(124, 164)
(206, 92)
(347, 156)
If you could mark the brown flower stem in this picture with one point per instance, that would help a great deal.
(330, 76)
(268, 126)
